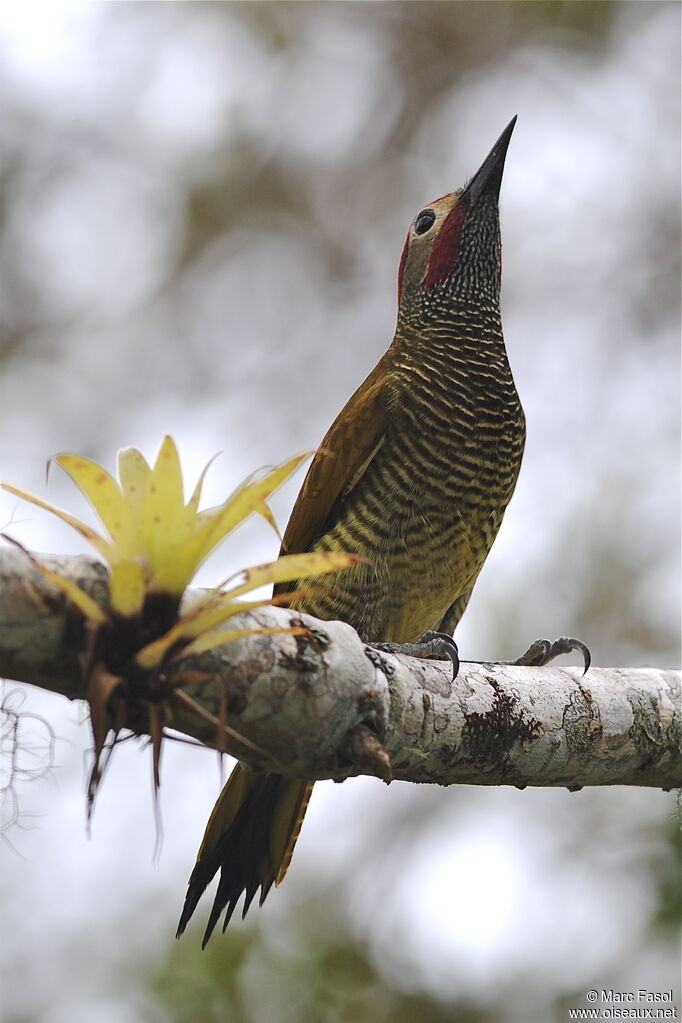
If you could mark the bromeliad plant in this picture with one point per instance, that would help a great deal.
(154, 543)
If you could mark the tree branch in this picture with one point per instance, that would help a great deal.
(325, 705)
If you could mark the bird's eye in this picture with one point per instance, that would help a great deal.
(424, 221)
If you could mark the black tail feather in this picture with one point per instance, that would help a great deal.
(242, 855)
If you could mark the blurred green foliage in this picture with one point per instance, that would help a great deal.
(244, 979)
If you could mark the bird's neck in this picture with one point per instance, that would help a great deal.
(467, 335)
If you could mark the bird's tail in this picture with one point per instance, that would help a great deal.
(250, 837)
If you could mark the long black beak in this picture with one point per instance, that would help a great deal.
(488, 178)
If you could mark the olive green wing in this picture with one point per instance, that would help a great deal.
(342, 458)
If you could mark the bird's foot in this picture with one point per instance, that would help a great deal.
(432, 644)
(541, 652)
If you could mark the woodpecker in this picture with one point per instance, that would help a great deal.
(415, 475)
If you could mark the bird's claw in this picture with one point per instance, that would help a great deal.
(542, 651)
(431, 644)
(440, 645)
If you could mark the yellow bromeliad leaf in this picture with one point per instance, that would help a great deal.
(193, 503)
(89, 534)
(167, 526)
(127, 587)
(210, 527)
(218, 637)
(153, 653)
(155, 541)
(263, 509)
(83, 601)
(250, 497)
(106, 497)
(290, 567)
(219, 605)
(287, 568)
(134, 473)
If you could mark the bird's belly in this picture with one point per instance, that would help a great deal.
(425, 530)
(436, 565)
(418, 564)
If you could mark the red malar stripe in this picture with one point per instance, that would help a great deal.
(446, 248)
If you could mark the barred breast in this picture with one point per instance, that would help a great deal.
(427, 509)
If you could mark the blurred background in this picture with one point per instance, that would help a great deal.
(203, 208)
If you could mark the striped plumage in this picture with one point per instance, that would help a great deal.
(414, 474)
(430, 502)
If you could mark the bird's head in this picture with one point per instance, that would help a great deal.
(452, 250)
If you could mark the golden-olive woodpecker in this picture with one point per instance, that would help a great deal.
(414, 474)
